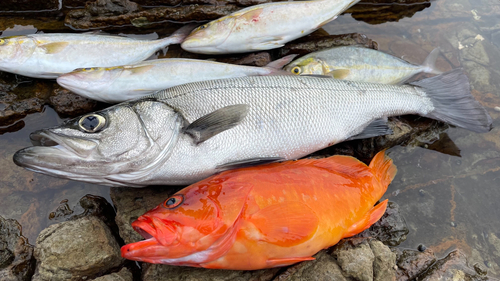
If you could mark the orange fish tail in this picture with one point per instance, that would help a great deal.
(370, 218)
(383, 168)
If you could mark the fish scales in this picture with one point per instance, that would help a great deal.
(281, 108)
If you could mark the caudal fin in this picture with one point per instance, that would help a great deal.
(370, 218)
(178, 36)
(275, 67)
(430, 62)
(383, 168)
(453, 103)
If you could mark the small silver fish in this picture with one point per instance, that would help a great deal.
(189, 132)
(122, 83)
(50, 55)
(357, 63)
(263, 27)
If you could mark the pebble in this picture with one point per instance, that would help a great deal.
(421, 248)
(453, 224)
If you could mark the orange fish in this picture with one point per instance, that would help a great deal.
(264, 216)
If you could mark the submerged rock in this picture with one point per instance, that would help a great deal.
(454, 267)
(76, 250)
(411, 263)
(17, 262)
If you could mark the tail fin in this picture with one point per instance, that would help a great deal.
(275, 67)
(453, 103)
(383, 168)
(430, 62)
(370, 218)
(178, 36)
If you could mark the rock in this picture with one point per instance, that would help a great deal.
(453, 267)
(111, 7)
(391, 228)
(325, 268)
(391, 11)
(385, 259)
(411, 263)
(161, 272)
(130, 203)
(15, 6)
(355, 258)
(75, 250)
(123, 275)
(17, 262)
(69, 104)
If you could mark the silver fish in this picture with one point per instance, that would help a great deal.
(122, 83)
(263, 27)
(50, 55)
(188, 132)
(356, 63)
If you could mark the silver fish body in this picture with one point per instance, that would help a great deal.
(50, 55)
(188, 132)
(122, 83)
(357, 63)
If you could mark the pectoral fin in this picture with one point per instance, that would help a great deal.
(217, 122)
(287, 261)
(370, 218)
(251, 15)
(339, 73)
(286, 224)
(53, 48)
(139, 69)
(249, 162)
(266, 43)
(376, 128)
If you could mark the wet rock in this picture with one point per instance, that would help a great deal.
(161, 272)
(75, 250)
(355, 258)
(17, 262)
(123, 275)
(453, 267)
(386, 10)
(385, 259)
(324, 267)
(390, 229)
(27, 5)
(69, 104)
(130, 203)
(411, 263)
(111, 7)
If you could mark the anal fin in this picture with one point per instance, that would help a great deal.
(286, 261)
(370, 218)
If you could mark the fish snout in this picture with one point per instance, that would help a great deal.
(160, 229)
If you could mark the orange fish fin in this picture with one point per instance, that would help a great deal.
(286, 224)
(383, 168)
(286, 261)
(370, 218)
(339, 163)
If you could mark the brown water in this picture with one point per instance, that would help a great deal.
(448, 202)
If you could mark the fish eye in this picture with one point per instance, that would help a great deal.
(174, 201)
(2, 42)
(87, 69)
(92, 123)
(203, 27)
(296, 70)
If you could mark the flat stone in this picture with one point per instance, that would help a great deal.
(77, 249)
(385, 260)
(70, 104)
(355, 257)
(17, 262)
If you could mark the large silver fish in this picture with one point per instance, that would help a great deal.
(122, 83)
(50, 55)
(188, 132)
(357, 63)
(263, 27)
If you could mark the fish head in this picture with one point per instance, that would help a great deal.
(194, 226)
(15, 50)
(116, 146)
(90, 82)
(310, 66)
(207, 38)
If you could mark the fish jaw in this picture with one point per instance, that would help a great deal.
(207, 38)
(92, 85)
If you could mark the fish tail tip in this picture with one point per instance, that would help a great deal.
(383, 168)
(430, 62)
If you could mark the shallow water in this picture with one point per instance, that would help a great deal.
(448, 202)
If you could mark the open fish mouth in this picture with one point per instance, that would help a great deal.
(44, 138)
(144, 228)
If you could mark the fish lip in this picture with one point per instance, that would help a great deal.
(44, 138)
(145, 227)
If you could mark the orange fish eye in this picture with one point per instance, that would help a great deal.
(174, 201)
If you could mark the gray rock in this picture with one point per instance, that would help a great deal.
(73, 250)
(69, 104)
(123, 275)
(411, 263)
(16, 255)
(161, 272)
(324, 268)
(356, 258)
(385, 260)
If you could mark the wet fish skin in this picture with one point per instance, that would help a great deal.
(189, 132)
(122, 83)
(357, 63)
(265, 216)
(263, 27)
(50, 55)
